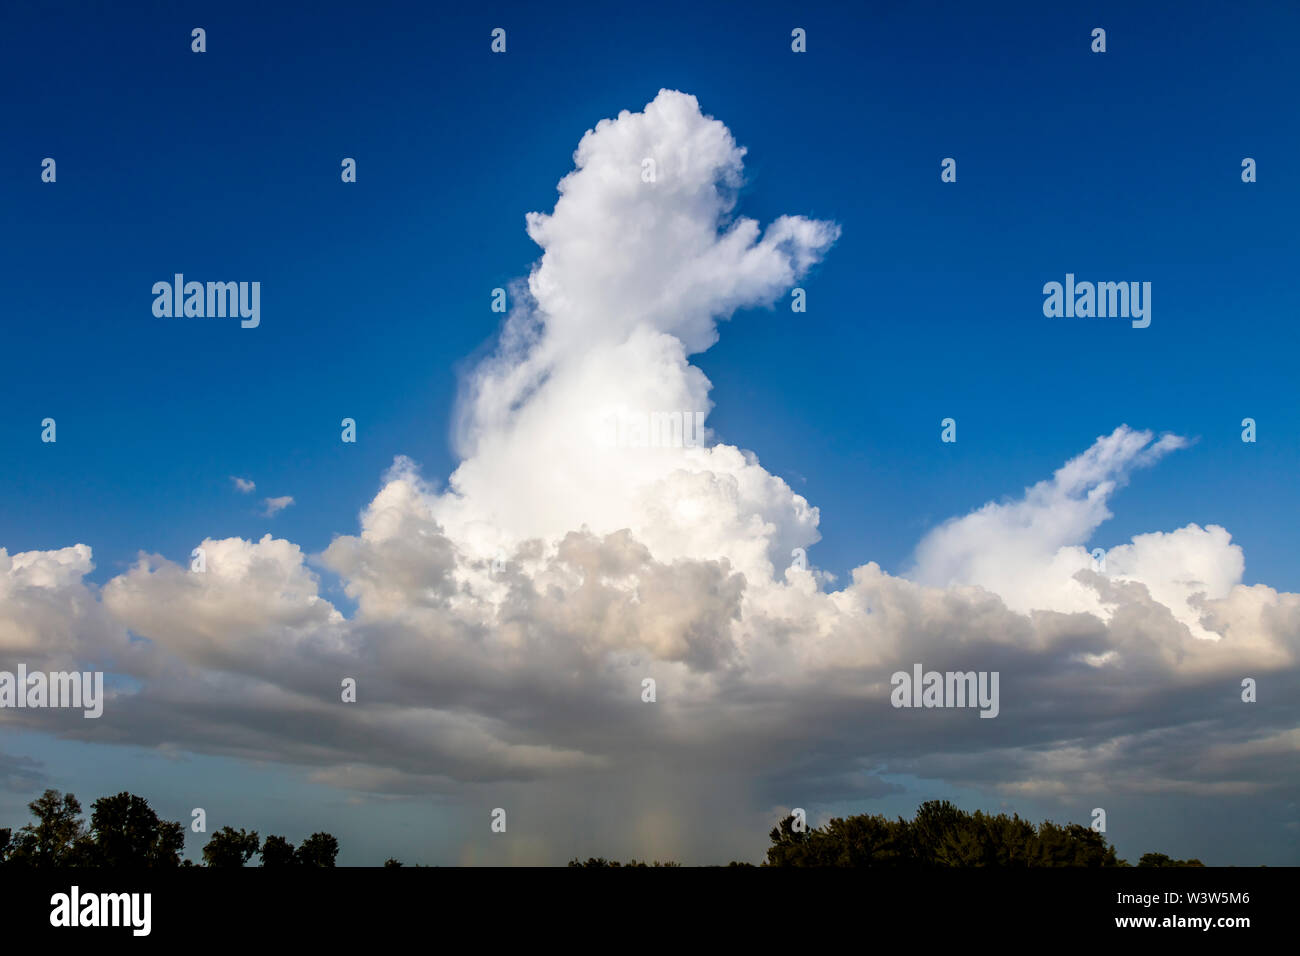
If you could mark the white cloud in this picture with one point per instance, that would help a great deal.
(49, 617)
(633, 278)
(1031, 552)
(245, 486)
(275, 505)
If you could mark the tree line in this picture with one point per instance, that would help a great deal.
(124, 832)
(939, 835)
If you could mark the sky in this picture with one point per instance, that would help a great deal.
(497, 580)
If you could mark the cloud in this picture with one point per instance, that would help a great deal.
(50, 618)
(21, 775)
(275, 505)
(1031, 553)
(633, 278)
(244, 485)
(503, 627)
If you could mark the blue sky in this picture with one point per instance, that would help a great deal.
(225, 165)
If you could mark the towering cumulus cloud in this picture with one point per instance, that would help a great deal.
(504, 626)
(633, 278)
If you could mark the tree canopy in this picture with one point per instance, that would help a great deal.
(126, 833)
(940, 835)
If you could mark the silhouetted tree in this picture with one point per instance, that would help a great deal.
(1159, 859)
(126, 832)
(57, 838)
(939, 835)
(600, 861)
(319, 849)
(230, 847)
(789, 846)
(277, 851)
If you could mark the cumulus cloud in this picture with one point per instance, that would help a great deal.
(1031, 552)
(633, 278)
(245, 486)
(50, 617)
(503, 627)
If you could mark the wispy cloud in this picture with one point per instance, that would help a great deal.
(275, 505)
